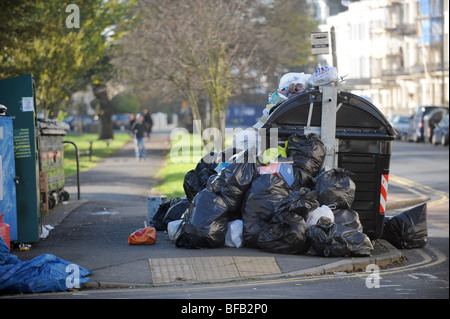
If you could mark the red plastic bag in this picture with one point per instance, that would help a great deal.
(143, 236)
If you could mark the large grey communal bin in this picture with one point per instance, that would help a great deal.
(364, 146)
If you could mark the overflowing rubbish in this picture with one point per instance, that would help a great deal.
(284, 200)
(44, 273)
(143, 236)
(323, 76)
(407, 229)
(288, 203)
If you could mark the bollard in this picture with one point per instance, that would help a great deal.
(153, 204)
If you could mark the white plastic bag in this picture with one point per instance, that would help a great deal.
(234, 238)
(172, 228)
(323, 75)
(323, 211)
(295, 78)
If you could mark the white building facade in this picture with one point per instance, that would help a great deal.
(395, 52)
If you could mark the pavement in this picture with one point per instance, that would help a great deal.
(93, 231)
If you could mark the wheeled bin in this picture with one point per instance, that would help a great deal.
(363, 146)
(51, 161)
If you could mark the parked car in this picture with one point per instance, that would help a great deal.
(416, 127)
(400, 123)
(440, 135)
(431, 120)
(121, 121)
(83, 123)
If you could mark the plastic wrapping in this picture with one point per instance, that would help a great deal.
(323, 76)
(234, 238)
(323, 211)
(293, 78)
(335, 187)
(44, 273)
(407, 229)
(143, 236)
(172, 228)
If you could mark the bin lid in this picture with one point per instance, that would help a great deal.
(355, 117)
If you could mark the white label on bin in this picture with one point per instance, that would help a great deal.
(27, 104)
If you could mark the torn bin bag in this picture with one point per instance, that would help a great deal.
(407, 229)
(260, 204)
(285, 234)
(205, 223)
(335, 187)
(332, 240)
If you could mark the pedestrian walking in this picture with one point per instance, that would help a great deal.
(148, 122)
(139, 132)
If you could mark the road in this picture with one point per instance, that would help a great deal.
(420, 168)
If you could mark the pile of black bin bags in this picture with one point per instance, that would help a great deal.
(274, 215)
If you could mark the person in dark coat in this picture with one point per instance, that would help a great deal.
(148, 122)
(139, 132)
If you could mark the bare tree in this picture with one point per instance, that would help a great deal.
(193, 49)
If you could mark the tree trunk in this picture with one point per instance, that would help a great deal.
(105, 112)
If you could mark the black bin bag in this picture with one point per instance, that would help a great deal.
(204, 225)
(260, 204)
(308, 153)
(286, 231)
(285, 234)
(301, 202)
(347, 217)
(335, 187)
(333, 240)
(157, 220)
(176, 211)
(233, 181)
(407, 229)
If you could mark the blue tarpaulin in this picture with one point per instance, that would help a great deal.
(44, 273)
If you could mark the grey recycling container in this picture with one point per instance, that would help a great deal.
(365, 146)
(51, 160)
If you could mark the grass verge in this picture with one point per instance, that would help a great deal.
(184, 155)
